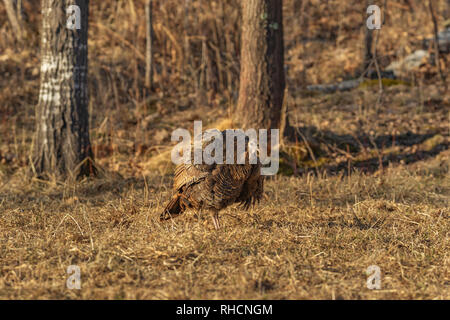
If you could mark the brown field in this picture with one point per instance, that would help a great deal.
(312, 237)
(368, 185)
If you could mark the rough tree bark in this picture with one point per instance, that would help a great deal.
(262, 79)
(62, 146)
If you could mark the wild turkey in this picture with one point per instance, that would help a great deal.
(216, 186)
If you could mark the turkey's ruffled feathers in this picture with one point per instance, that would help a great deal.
(215, 186)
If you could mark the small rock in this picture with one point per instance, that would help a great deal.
(408, 64)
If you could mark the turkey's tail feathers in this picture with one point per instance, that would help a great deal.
(173, 208)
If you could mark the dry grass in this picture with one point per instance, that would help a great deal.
(311, 238)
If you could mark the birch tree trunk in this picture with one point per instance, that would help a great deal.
(262, 79)
(62, 145)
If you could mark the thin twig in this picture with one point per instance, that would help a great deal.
(436, 45)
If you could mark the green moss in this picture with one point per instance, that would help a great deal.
(298, 152)
(385, 82)
(285, 168)
(299, 156)
(315, 164)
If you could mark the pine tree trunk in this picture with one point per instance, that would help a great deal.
(62, 146)
(262, 79)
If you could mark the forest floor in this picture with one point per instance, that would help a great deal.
(370, 186)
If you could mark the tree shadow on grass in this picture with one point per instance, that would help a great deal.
(362, 151)
(374, 164)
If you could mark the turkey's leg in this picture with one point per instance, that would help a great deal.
(215, 217)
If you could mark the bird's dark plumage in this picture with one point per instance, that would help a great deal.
(215, 186)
